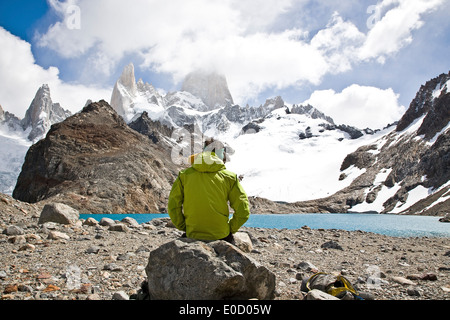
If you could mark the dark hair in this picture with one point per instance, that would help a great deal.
(212, 145)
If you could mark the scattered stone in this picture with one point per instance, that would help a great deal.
(414, 292)
(429, 277)
(59, 213)
(403, 281)
(243, 241)
(331, 245)
(307, 266)
(130, 222)
(11, 288)
(25, 288)
(289, 254)
(106, 222)
(28, 246)
(51, 288)
(160, 222)
(92, 250)
(120, 295)
(13, 231)
(113, 267)
(119, 227)
(125, 256)
(43, 276)
(316, 294)
(32, 238)
(56, 235)
(17, 239)
(366, 296)
(90, 222)
(142, 249)
(93, 297)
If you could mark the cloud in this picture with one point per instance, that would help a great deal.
(359, 106)
(231, 36)
(245, 40)
(395, 29)
(21, 77)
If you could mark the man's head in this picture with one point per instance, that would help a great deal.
(217, 147)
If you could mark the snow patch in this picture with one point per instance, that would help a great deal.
(288, 168)
(414, 195)
(377, 206)
(14, 149)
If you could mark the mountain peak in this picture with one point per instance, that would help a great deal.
(128, 93)
(42, 113)
(127, 78)
(211, 87)
(431, 101)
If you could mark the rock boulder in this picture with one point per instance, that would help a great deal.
(186, 269)
(59, 213)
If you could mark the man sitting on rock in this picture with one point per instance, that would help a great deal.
(198, 201)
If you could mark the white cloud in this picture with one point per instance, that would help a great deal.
(359, 106)
(232, 36)
(338, 43)
(21, 77)
(395, 29)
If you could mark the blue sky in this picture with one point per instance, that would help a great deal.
(361, 62)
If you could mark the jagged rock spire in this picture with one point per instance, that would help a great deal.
(211, 87)
(42, 113)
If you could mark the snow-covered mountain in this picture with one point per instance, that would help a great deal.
(282, 152)
(408, 170)
(17, 135)
(42, 113)
(286, 153)
(210, 87)
(297, 154)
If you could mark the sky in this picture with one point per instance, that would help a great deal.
(360, 62)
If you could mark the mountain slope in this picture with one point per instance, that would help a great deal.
(406, 171)
(292, 157)
(94, 162)
(17, 135)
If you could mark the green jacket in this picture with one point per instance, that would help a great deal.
(203, 192)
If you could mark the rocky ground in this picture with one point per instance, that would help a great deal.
(84, 262)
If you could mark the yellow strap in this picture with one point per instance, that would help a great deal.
(311, 278)
(333, 290)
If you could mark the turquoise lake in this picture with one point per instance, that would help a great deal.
(391, 225)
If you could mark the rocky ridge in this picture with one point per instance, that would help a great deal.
(17, 135)
(204, 100)
(39, 117)
(95, 163)
(97, 260)
(411, 159)
(42, 113)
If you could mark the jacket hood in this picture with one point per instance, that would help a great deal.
(208, 162)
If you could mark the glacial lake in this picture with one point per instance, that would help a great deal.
(391, 225)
